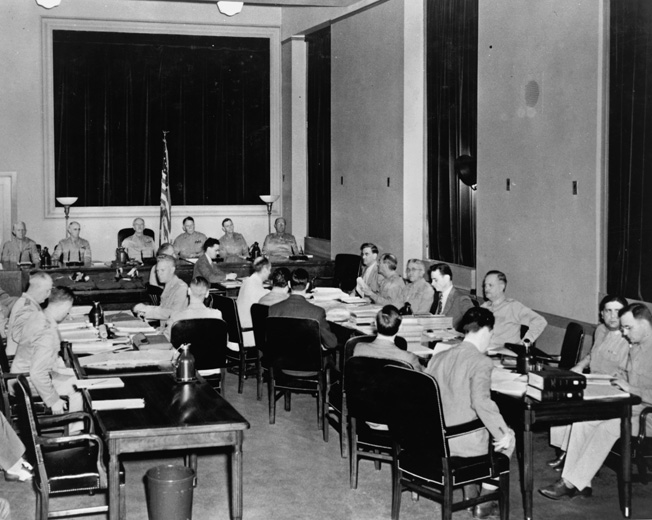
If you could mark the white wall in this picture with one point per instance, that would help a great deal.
(21, 105)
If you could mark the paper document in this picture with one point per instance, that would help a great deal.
(118, 404)
(96, 384)
(600, 391)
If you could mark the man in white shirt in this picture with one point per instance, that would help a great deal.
(197, 293)
(370, 278)
(510, 315)
(174, 296)
(251, 292)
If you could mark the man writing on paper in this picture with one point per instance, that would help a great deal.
(591, 441)
(38, 353)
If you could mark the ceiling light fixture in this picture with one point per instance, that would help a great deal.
(228, 8)
(48, 4)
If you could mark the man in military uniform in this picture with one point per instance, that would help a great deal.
(280, 244)
(189, 243)
(19, 248)
(74, 248)
(139, 245)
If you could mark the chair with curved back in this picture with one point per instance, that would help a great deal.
(367, 392)
(259, 313)
(345, 272)
(423, 463)
(207, 338)
(296, 363)
(571, 347)
(127, 232)
(63, 464)
(243, 355)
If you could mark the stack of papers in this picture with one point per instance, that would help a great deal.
(133, 327)
(602, 391)
(127, 359)
(328, 293)
(118, 404)
(97, 384)
(79, 335)
(506, 382)
(95, 347)
(364, 315)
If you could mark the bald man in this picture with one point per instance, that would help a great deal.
(280, 244)
(139, 245)
(19, 248)
(73, 248)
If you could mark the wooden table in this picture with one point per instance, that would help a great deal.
(175, 417)
(523, 413)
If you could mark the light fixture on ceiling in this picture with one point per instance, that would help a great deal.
(228, 8)
(48, 4)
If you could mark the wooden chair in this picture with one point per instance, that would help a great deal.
(296, 363)
(244, 355)
(423, 463)
(259, 314)
(127, 232)
(367, 393)
(346, 270)
(207, 338)
(63, 464)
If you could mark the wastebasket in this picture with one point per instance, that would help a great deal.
(169, 492)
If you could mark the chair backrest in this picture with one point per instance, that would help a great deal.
(4, 360)
(293, 344)
(127, 232)
(207, 338)
(366, 388)
(571, 347)
(154, 292)
(29, 427)
(259, 313)
(229, 310)
(416, 417)
(346, 270)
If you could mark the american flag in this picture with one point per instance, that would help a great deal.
(166, 203)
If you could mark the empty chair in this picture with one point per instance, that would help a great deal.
(296, 362)
(243, 355)
(207, 338)
(641, 447)
(367, 392)
(423, 462)
(62, 465)
(346, 271)
(571, 347)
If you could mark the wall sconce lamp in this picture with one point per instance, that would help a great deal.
(228, 8)
(66, 202)
(269, 200)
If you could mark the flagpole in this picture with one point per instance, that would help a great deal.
(166, 202)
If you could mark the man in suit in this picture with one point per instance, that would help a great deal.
(205, 265)
(450, 301)
(463, 374)
(417, 291)
(388, 321)
(296, 306)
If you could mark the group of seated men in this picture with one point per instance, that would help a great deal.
(20, 249)
(622, 345)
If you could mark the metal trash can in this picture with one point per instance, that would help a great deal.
(169, 492)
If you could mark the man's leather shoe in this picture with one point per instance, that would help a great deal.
(558, 463)
(486, 509)
(560, 491)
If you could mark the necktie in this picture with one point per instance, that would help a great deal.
(439, 305)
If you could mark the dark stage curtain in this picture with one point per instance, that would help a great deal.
(452, 70)
(114, 94)
(319, 133)
(629, 255)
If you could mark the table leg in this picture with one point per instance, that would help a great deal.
(528, 473)
(236, 478)
(626, 437)
(114, 481)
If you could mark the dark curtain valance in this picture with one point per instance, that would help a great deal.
(319, 133)
(114, 94)
(452, 71)
(629, 255)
